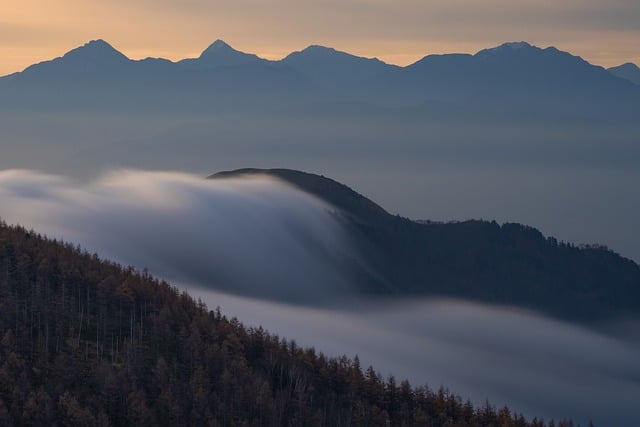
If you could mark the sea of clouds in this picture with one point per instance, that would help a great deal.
(275, 256)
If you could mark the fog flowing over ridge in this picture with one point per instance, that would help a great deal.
(252, 236)
(262, 238)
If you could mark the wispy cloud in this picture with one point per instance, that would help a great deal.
(253, 236)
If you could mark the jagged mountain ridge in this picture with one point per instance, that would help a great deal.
(511, 77)
(509, 264)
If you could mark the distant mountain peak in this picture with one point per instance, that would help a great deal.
(322, 54)
(316, 48)
(316, 52)
(628, 67)
(219, 43)
(95, 50)
(509, 48)
(90, 57)
(515, 45)
(220, 53)
(217, 47)
(98, 44)
(628, 71)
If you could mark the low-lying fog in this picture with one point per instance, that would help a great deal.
(261, 238)
(254, 236)
(534, 364)
(575, 180)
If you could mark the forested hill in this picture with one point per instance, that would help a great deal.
(84, 342)
(483, 261)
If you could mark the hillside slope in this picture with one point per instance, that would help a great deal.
(509, 264)
(87, 343)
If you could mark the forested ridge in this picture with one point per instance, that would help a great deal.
(477, 260)
(87, 342)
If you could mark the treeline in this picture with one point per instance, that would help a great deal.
(85, 342)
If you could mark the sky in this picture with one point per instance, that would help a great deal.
(605, 32)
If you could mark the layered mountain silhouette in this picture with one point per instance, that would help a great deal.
(509, 264)
(514, 78)
(627, 71)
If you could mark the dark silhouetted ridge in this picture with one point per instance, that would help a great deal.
(483, 261)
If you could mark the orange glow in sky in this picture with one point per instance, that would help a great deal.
(397, 31)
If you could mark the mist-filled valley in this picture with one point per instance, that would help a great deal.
(571, 180)
(278, 257)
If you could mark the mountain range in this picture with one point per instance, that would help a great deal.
(513, 78)
(509, 264)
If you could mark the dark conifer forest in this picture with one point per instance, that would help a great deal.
(87, 342)
(477, 260)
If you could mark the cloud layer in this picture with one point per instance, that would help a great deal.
(253, 236)
(536, 365)
(264, 239)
